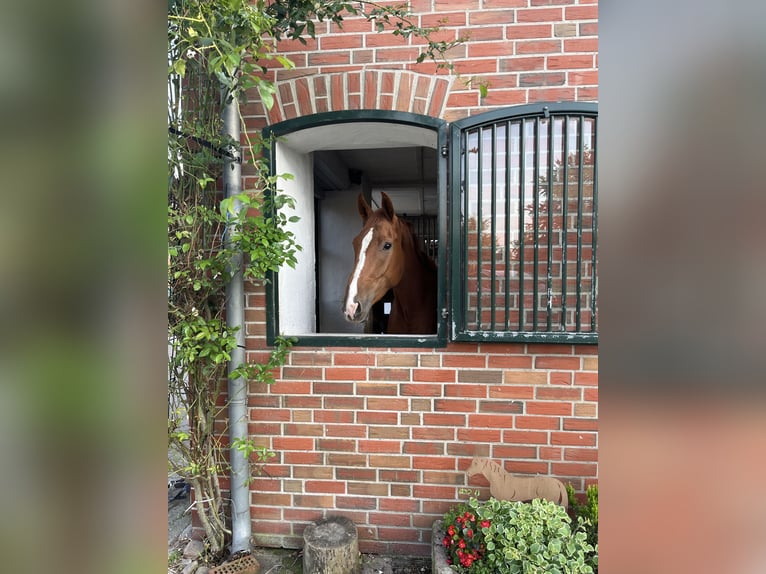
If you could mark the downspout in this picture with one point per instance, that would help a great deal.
(235, 319)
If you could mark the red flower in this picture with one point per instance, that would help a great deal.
(461, 544)
(469, 534)
(485, 523)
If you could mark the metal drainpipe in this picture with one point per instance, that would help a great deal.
(235, 318)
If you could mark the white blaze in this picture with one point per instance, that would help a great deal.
(351, 305)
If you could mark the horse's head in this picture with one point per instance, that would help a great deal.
(378, 259)
(475, 467)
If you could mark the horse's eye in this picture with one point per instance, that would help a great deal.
(386, 246)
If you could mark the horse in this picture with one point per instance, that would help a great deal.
(506, 486)
(388, 255)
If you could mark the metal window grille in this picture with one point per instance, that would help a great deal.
(526, 247)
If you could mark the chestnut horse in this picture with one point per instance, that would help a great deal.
(387, 255)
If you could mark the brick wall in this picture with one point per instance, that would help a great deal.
(383, 436)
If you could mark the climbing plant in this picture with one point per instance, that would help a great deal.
(218, 51)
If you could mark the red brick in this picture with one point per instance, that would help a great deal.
(390, 446)
(451, 405)
(356, 474)
(568, 62)
(388, 461)
(509, 362)
(388, 403)
(293, 443)
(581, 12)
(433, 463)
(341, 430)
(343, 459)
(493, 16)
(549, 408)
(430, 491)
(369, 489)
(324, 416)
(580, 424)
(435, 433)
(525, 437)
(377, 389)
(303, 430)
(573, 469)
(537, 422)
(290, 388)
(469, 449)
(400, 505)
(581, 454)
(322, 388)
(345, 373)
(357, 502)
(490, 421)
(423, 448)
(563, 363)
(511, 392)
(344, 403)
(558, 393)
(551, 94)
(375, 417)
(586, 378)
(508, 407)
(478, 435)
(301, 373)
(560, 378)
(438, 419)
(581, 45)
(466, 390)
(442, 19)
(420, 390)
(381, 518)
(574, 438)
(340, 41)
(389, 374)
(539, 15)
(352, 359)
(302, 457)
(395, 432)
(485, 49)
(325, 486)
(513, 451)
(336, 444)
(464, 361)
(302, 402)
(433, 375)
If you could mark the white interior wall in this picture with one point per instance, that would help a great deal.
(338, 225)
(297, 287)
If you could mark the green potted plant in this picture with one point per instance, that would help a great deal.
(504, 537)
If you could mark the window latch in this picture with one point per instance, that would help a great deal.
(445, 313)
(444, 151)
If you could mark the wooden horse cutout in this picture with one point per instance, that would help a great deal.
(387, 256)
(506, 486)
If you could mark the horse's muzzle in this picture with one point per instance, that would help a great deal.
(352, 311)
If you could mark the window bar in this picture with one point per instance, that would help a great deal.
(564, 225)
(580, 147)
(549, 267)
(479, 198)
(522, 187)
(536, 216)
(594, 241)
(466, 179)
(493, 230)
(506, 247)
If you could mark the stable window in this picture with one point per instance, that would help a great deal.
(334, 157)
(524, 225)
(514, 235)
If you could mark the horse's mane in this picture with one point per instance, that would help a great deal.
(424, 258)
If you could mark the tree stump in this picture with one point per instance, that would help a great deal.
(331, 546)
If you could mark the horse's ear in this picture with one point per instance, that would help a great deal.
(388, 206)
(364, 208)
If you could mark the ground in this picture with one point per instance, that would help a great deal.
(279, 561)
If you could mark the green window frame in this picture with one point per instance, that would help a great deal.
(524, 223)
(439, 127)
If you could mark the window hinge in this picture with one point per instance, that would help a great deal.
(444, 151)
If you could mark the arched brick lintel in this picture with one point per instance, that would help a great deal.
(399, 90)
